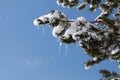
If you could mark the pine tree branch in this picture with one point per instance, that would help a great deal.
(63, 20)
(74, 21)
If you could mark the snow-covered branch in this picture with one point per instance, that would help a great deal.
(97, 43)
(107, 75)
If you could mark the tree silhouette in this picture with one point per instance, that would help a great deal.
(99, 38)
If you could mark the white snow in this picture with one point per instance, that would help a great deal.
(82, 4)
(71, 0)
(43, 18)
(80, 45)
(58, 29)
(72, 29)
(76, 28)
(35, 22)
(91, 5)
(115, 51)
(56, 14)
(94, 35)
(101, 14)
(95, 58)
(49, 17)
(117, 24)
(82, 20)
(74, 35)
(87, 67)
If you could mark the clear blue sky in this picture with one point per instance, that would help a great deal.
(25, 54)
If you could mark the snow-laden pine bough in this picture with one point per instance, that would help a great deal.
(100, 44)
(109, 75)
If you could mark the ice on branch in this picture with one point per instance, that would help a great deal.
(98, 43)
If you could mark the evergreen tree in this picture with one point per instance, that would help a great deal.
(98, 42)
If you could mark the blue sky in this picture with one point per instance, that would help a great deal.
(27, 54)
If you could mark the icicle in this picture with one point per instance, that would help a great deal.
(60, 44)
(38, 28)
(66, 49)
(43, 30)
(77, 47)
